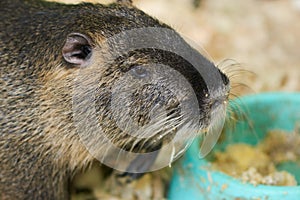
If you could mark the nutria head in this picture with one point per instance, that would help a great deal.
(114, 84)
(142, 91)
(85, 82)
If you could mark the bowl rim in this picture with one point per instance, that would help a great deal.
(193, 150)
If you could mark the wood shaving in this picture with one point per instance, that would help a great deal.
(257, 164)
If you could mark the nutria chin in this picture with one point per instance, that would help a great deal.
(52, 53)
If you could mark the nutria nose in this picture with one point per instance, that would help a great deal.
(225, 79)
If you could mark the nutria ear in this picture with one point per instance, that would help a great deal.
(77, 49)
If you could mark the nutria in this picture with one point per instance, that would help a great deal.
(48, 54)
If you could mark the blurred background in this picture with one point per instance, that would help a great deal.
(256, 42)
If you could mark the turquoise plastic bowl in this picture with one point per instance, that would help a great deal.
(192, 178)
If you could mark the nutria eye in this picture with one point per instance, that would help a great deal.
(139, 71)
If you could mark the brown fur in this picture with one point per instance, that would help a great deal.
(39, 146)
